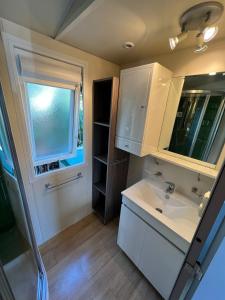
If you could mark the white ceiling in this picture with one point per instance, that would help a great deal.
(44, 16)
(107, 24)
(102, 26)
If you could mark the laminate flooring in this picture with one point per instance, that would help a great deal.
(84, 262)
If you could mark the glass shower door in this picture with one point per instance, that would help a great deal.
(198, 129)
(22, 274)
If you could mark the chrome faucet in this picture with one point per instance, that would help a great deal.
(171, 187)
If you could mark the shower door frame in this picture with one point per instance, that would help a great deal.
(42, 284)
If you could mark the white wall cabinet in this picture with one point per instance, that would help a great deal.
(142, 102)
(158, 259)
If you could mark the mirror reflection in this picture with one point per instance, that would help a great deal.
(198, 129)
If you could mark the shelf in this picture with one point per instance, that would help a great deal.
(102, 101)
(102, 124)
(108, 170)
(100, 212)
(102, 158)
(101, 187)
(100, 140)
(99, 172)
(98, 204)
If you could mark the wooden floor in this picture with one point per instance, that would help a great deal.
(84, 262)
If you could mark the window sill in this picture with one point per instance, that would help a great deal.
(60, 172)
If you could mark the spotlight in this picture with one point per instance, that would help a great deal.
(201, 18)
(200, 49)
(173, 42)
(201, 46)
(209, 33)
(177, 39)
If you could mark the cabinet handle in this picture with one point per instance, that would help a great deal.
(127, 146)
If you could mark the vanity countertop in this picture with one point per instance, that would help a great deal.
(174, 211)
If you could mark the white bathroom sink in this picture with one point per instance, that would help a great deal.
(175, 211)
(174, 206)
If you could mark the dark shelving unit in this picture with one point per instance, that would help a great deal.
(102, 124)
(102, 158)
(110, 165)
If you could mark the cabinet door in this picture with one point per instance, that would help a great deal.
(129, 238)
(133, 100)
(160, 261)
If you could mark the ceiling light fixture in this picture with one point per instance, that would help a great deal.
(209, 33)
(200, 19)
(177, 39)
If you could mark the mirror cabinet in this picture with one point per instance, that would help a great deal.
(193, 129)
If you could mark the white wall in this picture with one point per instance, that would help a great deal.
(184, 179)
(181, 62)
(53, 211)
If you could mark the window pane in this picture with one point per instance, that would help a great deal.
(78, 158)
(51, 112)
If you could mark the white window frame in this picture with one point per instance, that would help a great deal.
(11, 44)
(74, 115)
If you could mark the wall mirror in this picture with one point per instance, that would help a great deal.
(194, 120)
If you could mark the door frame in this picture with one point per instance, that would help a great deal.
(208, 257)
(40, 266)
(190, 266)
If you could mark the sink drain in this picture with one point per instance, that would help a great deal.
(159, 210)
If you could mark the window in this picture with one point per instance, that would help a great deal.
(54, 107)
(52, 122)
(78, 158)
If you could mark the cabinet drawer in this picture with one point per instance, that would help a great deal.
(129, 146)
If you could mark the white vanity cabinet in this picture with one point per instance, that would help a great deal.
(129, 237)
(158, 259)
(142, 102)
